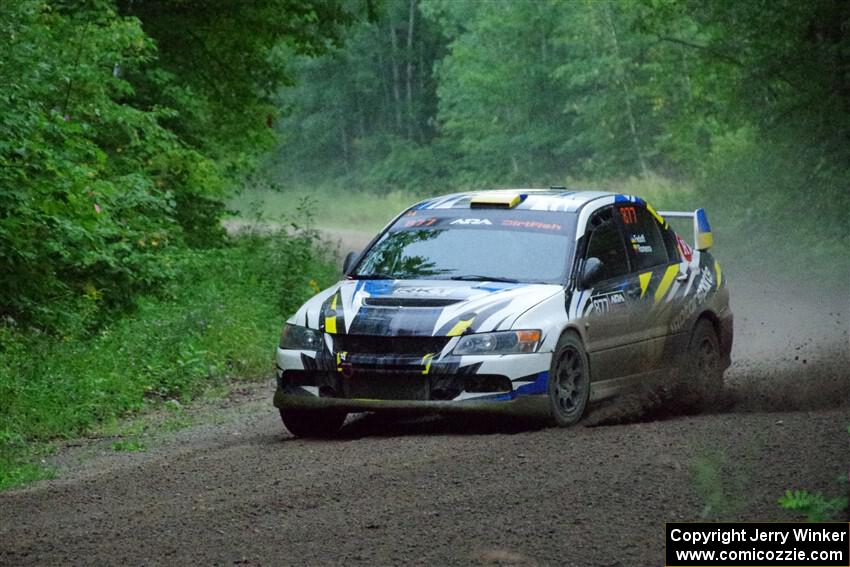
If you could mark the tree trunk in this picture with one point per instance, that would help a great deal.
(385, 120)
(410, 23)
(346, 154)
(627, 94)
(396, 78)
(361, 119)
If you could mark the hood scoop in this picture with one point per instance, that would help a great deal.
(409, 301)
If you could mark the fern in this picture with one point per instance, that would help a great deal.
(815, 506)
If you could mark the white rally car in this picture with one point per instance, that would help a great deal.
(525, 300)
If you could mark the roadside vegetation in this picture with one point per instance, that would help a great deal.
(124, 126)
(332, 207)
(816, 506)
(217, 321)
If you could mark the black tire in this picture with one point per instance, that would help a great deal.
(569, 381)
(701, 383)
(313, 423)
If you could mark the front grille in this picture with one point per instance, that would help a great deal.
(367, 344)
(387, 387)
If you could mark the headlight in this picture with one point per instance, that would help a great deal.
(300, 338)
(505, 342)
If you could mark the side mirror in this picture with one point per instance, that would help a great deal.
(591, 272)
(348, 263)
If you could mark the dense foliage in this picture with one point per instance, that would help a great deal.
(529, 89)
(123, 124)
(199, 332)
(747, 101)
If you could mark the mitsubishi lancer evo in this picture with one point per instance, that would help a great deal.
(527, 301)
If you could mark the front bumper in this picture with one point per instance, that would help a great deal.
(530, 406)
(351, 382)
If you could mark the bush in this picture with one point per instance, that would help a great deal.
(219, 319)
(814, 505)
(92, 189)
(120, 134)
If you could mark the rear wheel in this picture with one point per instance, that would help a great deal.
(702, 380)
(312, 423)
(569, 382)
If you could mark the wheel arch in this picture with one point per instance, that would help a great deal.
(711, 317)
(575, 329)
(724, 330)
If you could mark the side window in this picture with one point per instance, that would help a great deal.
(606, 243)
(643, 237)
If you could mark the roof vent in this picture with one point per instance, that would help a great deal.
(496, 201)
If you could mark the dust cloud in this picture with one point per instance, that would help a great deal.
(792, 343)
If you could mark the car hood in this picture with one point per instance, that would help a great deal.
(420, 307)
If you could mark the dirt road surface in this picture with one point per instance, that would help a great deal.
(237, 489)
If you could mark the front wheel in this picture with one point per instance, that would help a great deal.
(312, 423)
(569, 382)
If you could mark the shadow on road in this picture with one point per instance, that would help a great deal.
(364, 425)
(389, 425)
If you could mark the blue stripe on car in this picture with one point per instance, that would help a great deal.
(538, 386)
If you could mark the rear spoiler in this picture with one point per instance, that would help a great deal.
(703, 239)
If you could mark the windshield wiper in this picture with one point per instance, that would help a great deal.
(373, 277)
(477, 278)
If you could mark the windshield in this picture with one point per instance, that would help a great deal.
(473, 244)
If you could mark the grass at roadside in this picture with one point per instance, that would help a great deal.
(335, 208)
(219, 321)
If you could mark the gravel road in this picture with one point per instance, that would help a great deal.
(237, 489)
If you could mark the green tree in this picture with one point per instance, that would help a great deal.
(365, 110)
(120, 134)
(499, 105)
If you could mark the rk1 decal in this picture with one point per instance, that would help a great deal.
(426, 291)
